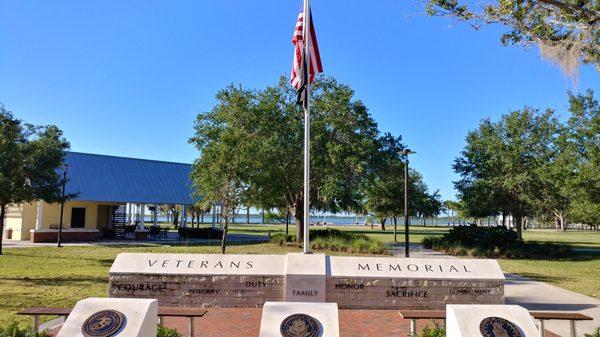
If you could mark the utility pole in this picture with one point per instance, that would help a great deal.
(65, 168)
(405, 154)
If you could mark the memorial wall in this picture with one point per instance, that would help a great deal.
(352, 282)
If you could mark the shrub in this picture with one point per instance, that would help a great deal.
(13, 330)
(281, 239)
(200, 233)
(493, 242)
(336, 240)
(343, 241)
(167, 332)
(436, 331)
(596, 333)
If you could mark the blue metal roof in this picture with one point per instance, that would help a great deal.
(104, 178)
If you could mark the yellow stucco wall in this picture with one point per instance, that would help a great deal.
(23, 218)
(13, 220)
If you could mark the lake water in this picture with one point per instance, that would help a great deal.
(336, 220)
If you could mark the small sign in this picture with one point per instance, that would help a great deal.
(499, 327)
(105, 323)
(300, 325)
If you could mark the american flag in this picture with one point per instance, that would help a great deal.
(299, 74)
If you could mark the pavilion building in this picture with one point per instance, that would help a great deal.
(111, 193)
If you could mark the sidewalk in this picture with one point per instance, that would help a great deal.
(540, 296)
(171, 239)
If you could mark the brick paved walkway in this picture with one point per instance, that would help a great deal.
(245, 322)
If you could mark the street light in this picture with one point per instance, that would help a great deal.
(405, 154)
(65, 168)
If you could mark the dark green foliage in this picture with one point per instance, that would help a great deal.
(200, 233)
(281, 239)
(252, 150)
(528, 164)
(493, 242)
(337, 241)
(13, 330)
(436, 331)
(29, 160)
(167, 332)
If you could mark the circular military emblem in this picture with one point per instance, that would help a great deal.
(499, 327)
(300, 325)
(105, 323)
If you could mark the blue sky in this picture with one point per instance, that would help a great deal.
(127, 78)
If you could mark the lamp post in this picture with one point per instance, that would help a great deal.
(405, 154)
(65, 168)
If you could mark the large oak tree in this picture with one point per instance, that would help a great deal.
(255, 146)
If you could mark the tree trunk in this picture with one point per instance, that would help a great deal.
(299, 219)
(383, 223)
(561, 221)
(248, 215)
(519, 225)
(176, 219)
(2, 215)
(202, 216)
(224, 237)
(287, 221)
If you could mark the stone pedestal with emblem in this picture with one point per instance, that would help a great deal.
(489, 321)
(106, 317)
(291, 319)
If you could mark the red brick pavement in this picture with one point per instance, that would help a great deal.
(245, 322)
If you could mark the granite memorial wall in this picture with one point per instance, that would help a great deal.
(351, 282)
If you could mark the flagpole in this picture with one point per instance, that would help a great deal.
(306, 61)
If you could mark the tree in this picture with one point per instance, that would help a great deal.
(500, 164)
(384, 189)
(342, 145)
(432, 205)
(29, 160)
(565, 31)
(225, 139)
(583, 144)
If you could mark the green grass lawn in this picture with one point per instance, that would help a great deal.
(417, 233)
(49, 276)
(579, 274)
(574, 238)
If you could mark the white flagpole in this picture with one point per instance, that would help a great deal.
(307, 128)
